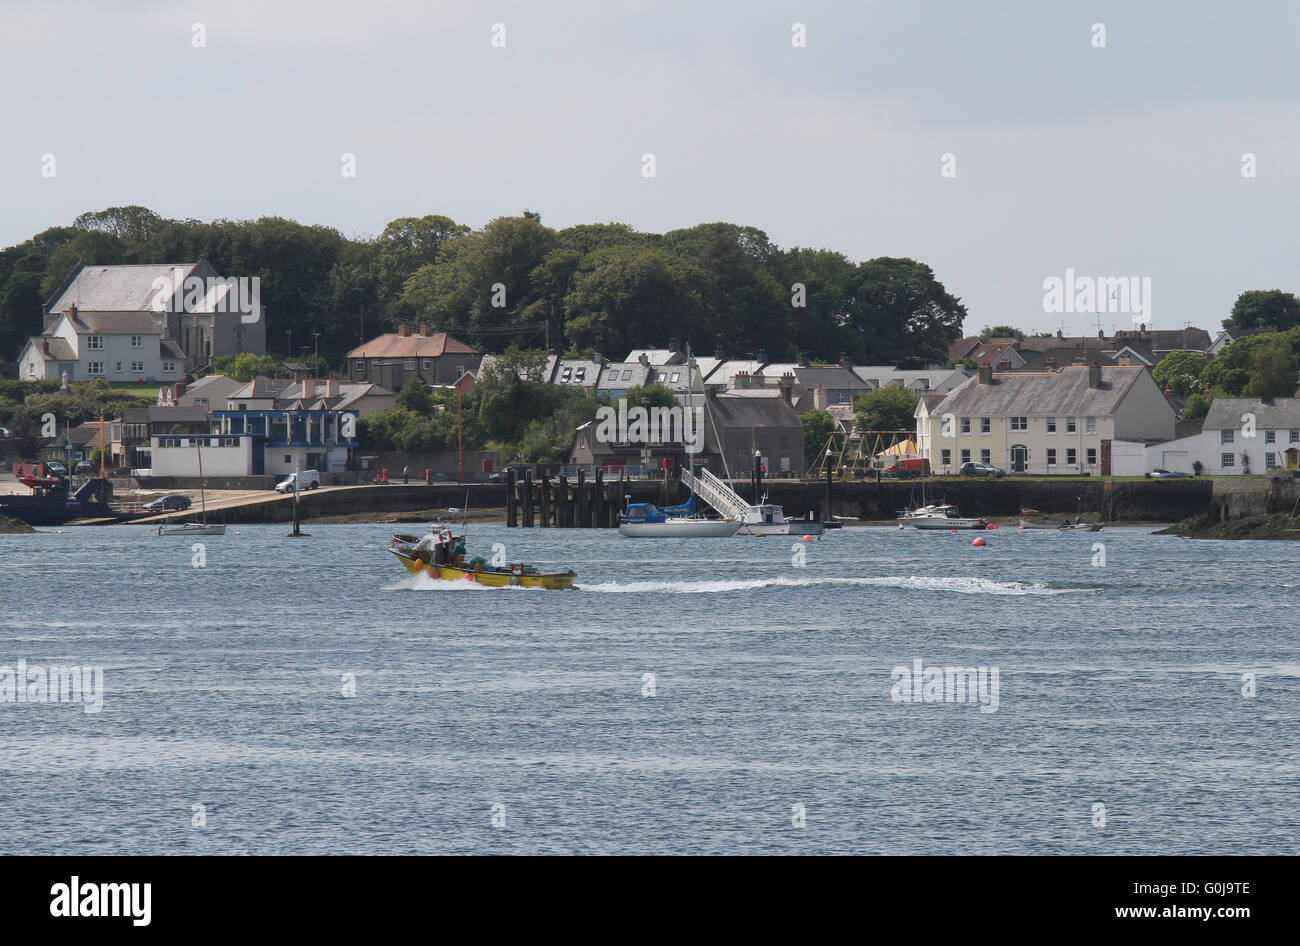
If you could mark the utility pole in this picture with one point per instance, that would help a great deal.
(288, 351)
(316, 357)
(460, 443)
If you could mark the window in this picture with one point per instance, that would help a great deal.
(1270, 436)
(460, 370)
(627, 375)
(613, 374)
(1090, 425)
(1051, 456)
(95, 342)
(118, 367)
(408, 364)
(986, 456)
(1071, 456)
(171, 366)
(579, 375)
(137, 341)
(1270, 460)
(287, 458)
(1092, 456)
(965, 425)
(95, 368)
(565, 375)
(986, 425)
(427, 364)
(965, 456)
(675, 376)
(1071, 425)
(1051, 425)
(1227, 460)
(1020, 423)
(137, 367)
(946, 455)
(1295, 436)
(1226, 435)
(359, 366)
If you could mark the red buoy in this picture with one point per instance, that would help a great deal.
(979, 543)
(807, 538)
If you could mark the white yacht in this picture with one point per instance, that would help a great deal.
(939, 516)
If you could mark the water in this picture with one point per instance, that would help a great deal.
(1119, 685)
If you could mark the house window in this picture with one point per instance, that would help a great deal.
(965, 425)
(946, 455)
(1071, 425)
(1090, 425)
(566, 375)
(986, 425)
(137, 367)
(427, 364)
(95, 368)
(627, 375)
(986, 456)
(1051, 456)
(1227, 460)
(460, 370)
(580, 375)
(359, 366)
(1226, 435)
(171, 366)
(1051, 425)
(965, 456)
(408, 364)
(1092, 456)
(95, 342)
(137, 341)
(1270, 460)
(287, 458)
(1020, 423)
(1295, 436)
(613, 374)
(1270, 436)
(1071, 456)
(675, 376)
(118, 367)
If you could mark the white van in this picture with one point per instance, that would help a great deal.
(309, 479)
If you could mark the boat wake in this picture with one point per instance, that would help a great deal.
(957, 585)
(422, 582)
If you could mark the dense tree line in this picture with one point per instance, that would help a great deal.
(601, 287)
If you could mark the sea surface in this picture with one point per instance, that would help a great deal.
(692, 696)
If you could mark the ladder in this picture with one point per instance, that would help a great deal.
(716, 493)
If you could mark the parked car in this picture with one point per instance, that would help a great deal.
(1167, 475)
(909, 466)
(167, 504)
(56, 468)
(307, 479)
(500, 475)
(84, 468)
(980, 468)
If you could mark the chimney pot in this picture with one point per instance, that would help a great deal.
(403, 329)
(424, 329)
(1094, 375)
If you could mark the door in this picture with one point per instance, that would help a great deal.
(1019, 458)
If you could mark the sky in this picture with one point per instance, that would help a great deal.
(1117, 160)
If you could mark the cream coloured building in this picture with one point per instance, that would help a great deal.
(1061, 421)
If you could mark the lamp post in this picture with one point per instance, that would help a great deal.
(316, 356)
(288, 345)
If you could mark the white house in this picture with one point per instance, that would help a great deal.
(115, 346)
(1241, 435)
(1051, 422)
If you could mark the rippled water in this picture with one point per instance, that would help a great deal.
(1119, 685)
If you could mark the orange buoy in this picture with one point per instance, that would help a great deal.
(807, 538)
(979, 543)
(954, 531)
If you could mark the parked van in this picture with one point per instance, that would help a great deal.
(310, 479)
(909, 466)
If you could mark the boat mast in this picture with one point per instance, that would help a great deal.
(203, 502)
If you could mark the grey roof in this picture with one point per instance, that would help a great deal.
(639, 375)
(656, 356)
(664, 375)
(754, 408)
(1042, 394)
(262, 388)
(1282, 414)
(588, 369)
(727, 370)
(116, 288)
(1036, 359)
(117, 323)
(935, 378)
(60, 350)
(170, 348)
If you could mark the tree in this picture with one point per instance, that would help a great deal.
(651, 395)
(900, 313)
(1229, 373)
(417, 397)
(1180, 372)
(1264, 308)
(408, 243)
(817, 427)
(1001, 331)
(1273, 373)
(246, 366)
(888, 408)
(1197, 406)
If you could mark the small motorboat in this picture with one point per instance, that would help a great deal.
(646, 520)
(1064, 525)
(940, 516)
(440, 554)
(190, 528)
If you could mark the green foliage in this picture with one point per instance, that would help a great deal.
(1229, 373)
(887, 408)
(1264, 308)
(1273, 370)
(817, 427)
(1180, 372)
(547, 438)
(246, 366)
(651, 395)
(1001, 331)
(416, 397)
(1197, 406)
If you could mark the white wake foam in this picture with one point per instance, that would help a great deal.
(956, 584)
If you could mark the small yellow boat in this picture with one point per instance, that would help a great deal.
(441, 555)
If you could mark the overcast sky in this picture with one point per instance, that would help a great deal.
(1117, 161)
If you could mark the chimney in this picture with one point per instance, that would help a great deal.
(644, 359)
(786, 384)
(845, 361)
(985, 374)
(719, 353)
(45, 345)
(72, 311)
(424, 329)
(761, 358)
(674, 344)
(1094, 375)
(1060, 334)
(403, 329)
(332, 387)
(801, 359)
(819, 398)
(179, 388)
(740, 380)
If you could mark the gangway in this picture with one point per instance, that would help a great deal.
(716, 493)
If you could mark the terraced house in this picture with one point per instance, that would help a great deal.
(1051, 422)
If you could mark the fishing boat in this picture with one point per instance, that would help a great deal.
(50, 503)
(440, 554)
(769, 519)
(939, 516)
(646, 520)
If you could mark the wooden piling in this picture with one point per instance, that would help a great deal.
(546, 500)
(512, 512)
(528, 498)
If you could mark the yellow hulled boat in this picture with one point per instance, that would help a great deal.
(441, 555)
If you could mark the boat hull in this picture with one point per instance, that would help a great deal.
(789, 527)
(491, 577)
(681, 529)
(191, 528)
(946, 525)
